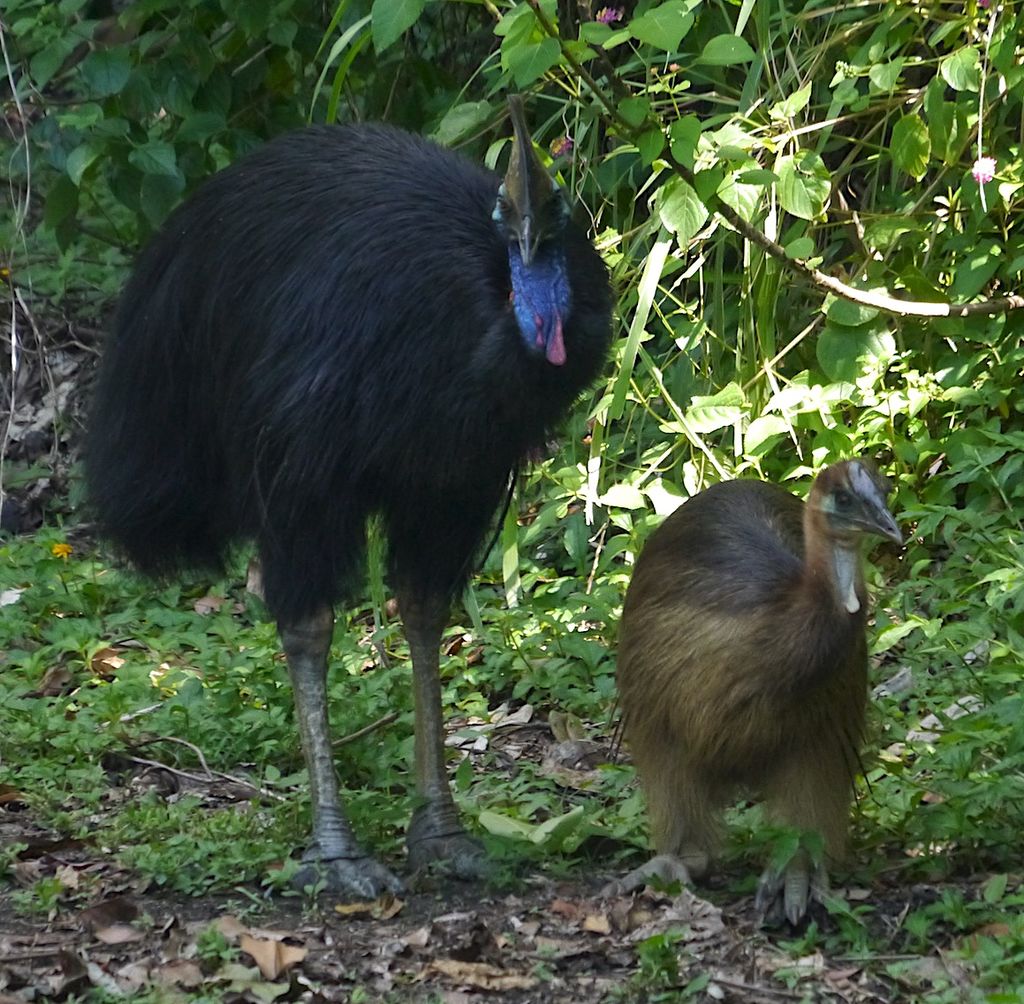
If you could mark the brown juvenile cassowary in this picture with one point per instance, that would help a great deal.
(743, 664)
(350, 321)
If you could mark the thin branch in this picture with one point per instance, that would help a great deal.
(867, 298)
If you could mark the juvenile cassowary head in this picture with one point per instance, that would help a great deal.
(531, 213)
(851, 499)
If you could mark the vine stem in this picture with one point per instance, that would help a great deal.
(867, 298)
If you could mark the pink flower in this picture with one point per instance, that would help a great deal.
(561, 147)
(984, 4)
(984, 170)
(609, 15)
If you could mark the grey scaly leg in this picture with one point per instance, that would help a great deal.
(334, 856)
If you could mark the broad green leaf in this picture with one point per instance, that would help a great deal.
(391, 18)
(105, 71)
(200, 127)
(684, 135)
(961, 69)
(159, 194)
(804, 184)
(664, 26)
(650, 144)
(48, 60)
(885, 76)
(726, 50)
(847, 353)
(800, 249)
(793, 105)
(716, 411)
(461, 119)
(681, 211)
(940, 115)
(911, 146)
(762, 431)
(847, 313)
(531, 60)
(79, 160)
(623, 496)
(744, 198)
(973, 273)
(504, 826)
(61, 202)
(155, 158)
(634, 110)
(553, 832)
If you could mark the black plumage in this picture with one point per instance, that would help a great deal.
(323, 332)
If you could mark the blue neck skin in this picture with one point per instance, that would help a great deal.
(541, 300)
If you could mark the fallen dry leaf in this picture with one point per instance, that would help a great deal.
(109, 913)
(272, 957)
(384, 908)
(597, 923)
(482, 975)
(118, 934)
(9, 795)
(419, 938)
(180, 973)
(230, 926)
(106, 662)
(208, 604)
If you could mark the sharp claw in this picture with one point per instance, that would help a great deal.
(360, 878)
(796, 887)
(665, 868)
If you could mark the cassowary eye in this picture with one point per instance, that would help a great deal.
(843, 499)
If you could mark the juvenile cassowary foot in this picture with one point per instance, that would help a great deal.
(789, 894)
(436, 839)
(359, 878)
(663, 869)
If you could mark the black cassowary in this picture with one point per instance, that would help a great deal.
(349, 321)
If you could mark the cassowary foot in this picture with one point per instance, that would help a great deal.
(792, 893)
(436, 841)
(662, 870)
(354, 879)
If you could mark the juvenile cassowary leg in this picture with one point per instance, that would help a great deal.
(811, 792)
(682, 805)
(334, 856)
(435, 833)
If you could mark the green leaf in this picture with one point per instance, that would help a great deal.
(155, 158)
(531, 60)
(684, 134)
(847, 353)
(664, 26)
(391, 18)
(762, 432)
(552, 834)
(79, 160)
(650, 144)
(48, 60)
(849, 314)
(623, 496)
(742, 197)
(885, 76)
(105, 71)
(681, 211)
(200, 126)
(973, 273)
(716, 411)
(804, 184)
(726, 50)
(634, 110)
(800, 249)
(504, 826)
(159, 194)
(911, 146)
(961, 69)
(462, 119)
(61, 202)
(793, 105)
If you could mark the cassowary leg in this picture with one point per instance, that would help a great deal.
(334, 856)
(435, 833)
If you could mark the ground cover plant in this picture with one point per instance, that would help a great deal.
(763, 180)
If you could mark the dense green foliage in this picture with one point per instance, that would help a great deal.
(847, 133)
